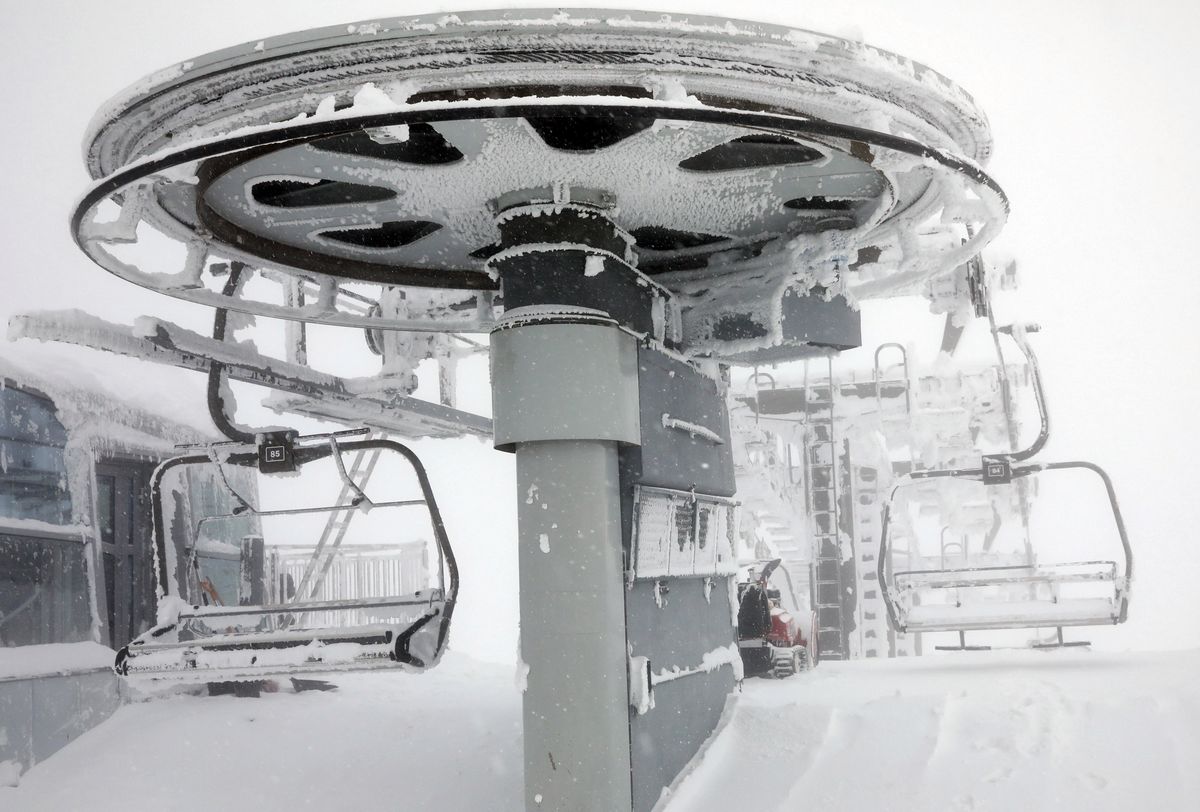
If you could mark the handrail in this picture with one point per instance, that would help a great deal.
(975, 578)
(1006, 567)
(879, 375)
(416, 599)
(960, 546)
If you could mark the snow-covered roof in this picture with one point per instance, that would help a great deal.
(24, 662)
(127, 407)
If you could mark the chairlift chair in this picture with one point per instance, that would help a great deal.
(1023, 595)
(206, 637)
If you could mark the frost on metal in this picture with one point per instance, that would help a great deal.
(380, 401)
(711, 661)
(641, 689)
(678, 534)
(890, 216)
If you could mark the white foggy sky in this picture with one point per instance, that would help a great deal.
(1092, 106)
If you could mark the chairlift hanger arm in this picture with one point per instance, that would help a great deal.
(1039, 394)
(217, 377)
(360, 498)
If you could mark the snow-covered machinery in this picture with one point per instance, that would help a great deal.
(772, 640)
(231, 609)
(628, 203)
(1055, 571)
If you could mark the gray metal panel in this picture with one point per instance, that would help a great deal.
(100, 694)
(582, 386)
(670, 457)
(812, 320)
(41, 715)
(811, 326)
(16, 722)
(66, 707)
(576, 731)
(685, 628)
(678, 634)
(688, 710)
(55, 711)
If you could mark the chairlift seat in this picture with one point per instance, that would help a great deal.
(967, 613)
(228, 655)
(1024, 614)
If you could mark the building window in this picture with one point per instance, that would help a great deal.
(43, 590)
(43, 575)
(33, 470)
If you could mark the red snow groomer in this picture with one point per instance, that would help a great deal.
(772, 642)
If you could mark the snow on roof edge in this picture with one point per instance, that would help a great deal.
(112, 411)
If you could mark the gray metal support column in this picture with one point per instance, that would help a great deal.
(576, 703)
(564, 395)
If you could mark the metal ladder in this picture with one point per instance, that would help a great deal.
(882, 382)
(885, 386)
(335, 528)
(822, 502)
(874, 634)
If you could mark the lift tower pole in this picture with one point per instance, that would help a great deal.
(565, 396)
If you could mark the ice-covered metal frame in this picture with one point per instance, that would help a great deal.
(898, 587)
(217, 656)
(1031, 614)
(309, 115)
(135, 191)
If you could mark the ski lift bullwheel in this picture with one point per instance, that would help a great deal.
(718, 159)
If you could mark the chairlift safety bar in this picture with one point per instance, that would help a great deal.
(314, 606)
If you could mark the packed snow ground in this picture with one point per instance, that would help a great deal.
(995, 730)
(1000, 730)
